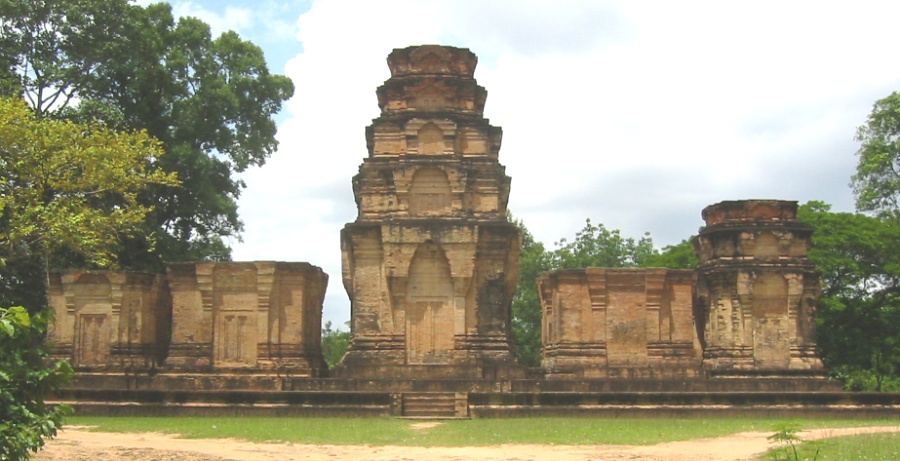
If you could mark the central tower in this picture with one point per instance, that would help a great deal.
(431, 262)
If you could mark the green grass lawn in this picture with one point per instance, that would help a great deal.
(867, 447)
(473, 432)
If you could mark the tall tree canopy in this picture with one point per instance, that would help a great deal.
(876, 183)
(210, 101)
(859, 313)
(63, 187)
(67, 186)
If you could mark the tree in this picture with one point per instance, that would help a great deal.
(26, 376)
(526, 305)
(334, 343)
(70, 186)
(50, 49)
(876, 183)
(209, 101)
(859, 312)
(678, 256)
(597, 246)
(63, 187)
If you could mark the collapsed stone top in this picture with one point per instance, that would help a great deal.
(432, 60)
(750, 210)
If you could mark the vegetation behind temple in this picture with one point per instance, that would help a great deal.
(209, 101)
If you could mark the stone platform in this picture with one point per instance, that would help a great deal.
(774, 397)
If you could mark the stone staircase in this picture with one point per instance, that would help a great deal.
(441, 405)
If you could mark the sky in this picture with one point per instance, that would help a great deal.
(634, 114)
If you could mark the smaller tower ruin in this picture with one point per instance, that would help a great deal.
(756, 290)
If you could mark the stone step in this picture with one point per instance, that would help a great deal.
(434, 405)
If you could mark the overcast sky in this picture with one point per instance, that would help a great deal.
(634, 114)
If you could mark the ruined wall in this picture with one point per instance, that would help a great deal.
(245, 316)
(756, 290)
(751, 313)
(618, 323)
(431, 263)
(200, 317)
(107, 320)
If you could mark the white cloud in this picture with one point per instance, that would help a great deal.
(236, 19)
(635, 114)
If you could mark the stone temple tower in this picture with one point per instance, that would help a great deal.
(431, 262)
(756, 290)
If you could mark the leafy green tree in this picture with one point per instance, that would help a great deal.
(70, 186)
(526, 305)
(678, 256)
(334, 343)
(27, 375)
(209, 100)
(859, 313)
(876, 183)
(597, 246)
(50, 49)
(63, 187)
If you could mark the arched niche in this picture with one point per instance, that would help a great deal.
(429, 192)
(431, 139)
(429, 312)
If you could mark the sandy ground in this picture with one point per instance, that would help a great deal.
(78, 444)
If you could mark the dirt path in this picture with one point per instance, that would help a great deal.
(77, 444)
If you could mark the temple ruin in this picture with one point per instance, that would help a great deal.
(756, 290)
(619, 323)
(430, 265)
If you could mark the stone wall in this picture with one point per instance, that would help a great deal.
(619, 323)
(105, 320)
(201, 317)
(244, 316)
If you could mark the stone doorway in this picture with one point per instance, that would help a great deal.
(93, 340)
(771, 342)
(429, 317)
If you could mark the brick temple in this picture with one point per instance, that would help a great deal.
(430, 266)
(431, 263)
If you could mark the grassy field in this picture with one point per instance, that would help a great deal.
(868, 447)
(474, 432)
